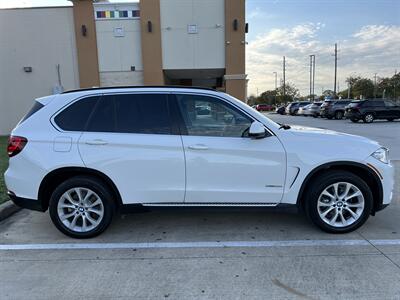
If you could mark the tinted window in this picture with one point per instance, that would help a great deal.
(375, 103)
(36, 106)
(389, 104)
(207, 116)
(355, 103)
(75, 116)
(132, 113)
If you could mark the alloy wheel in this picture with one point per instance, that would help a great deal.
(80, 209)
(340, 204)
(369, 118)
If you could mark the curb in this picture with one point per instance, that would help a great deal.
(7, 209)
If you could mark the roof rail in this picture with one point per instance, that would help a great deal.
(140, 87)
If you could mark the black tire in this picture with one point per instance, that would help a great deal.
(329, 117)
(94, 185)
(390, 119)
(315, 116)
(339, 115)
(368, 118)
(354, 120)
(317, 186)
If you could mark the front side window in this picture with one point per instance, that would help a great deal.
(75, 116)
(208, 116)
(132, 113)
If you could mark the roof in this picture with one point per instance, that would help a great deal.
(140, 87)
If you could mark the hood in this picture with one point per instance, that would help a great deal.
(330, 134)
(329, 143)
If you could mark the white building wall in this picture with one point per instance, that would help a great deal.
(39, 38)
(119, 46)
(204, 49)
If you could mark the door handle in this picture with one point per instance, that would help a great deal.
(96, 142)
(198, 147)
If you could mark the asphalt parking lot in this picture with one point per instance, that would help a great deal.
(210, 254)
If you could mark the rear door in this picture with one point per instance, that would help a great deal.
(378, 108)
(224, 165)
(131, 138)
(392, 110)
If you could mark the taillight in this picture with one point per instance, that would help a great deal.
(15, 145)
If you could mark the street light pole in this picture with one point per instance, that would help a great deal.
(312, 76)
(334, 86)
(284, 78)
(276, 84)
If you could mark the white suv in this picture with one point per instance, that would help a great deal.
(86, 154)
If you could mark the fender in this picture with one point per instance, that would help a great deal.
(368, 174)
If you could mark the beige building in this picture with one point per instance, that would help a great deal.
(153, 42)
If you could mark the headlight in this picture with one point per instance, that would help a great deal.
(382, 155)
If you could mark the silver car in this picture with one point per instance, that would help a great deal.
(314, 109)
(305, 110)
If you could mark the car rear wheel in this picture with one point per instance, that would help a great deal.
(368, 118)
(339, 115)
(81, 207)
(338, 202)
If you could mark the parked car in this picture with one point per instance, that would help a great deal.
(290, 108)
(294, 107)
(90, 153)
(281, 110)
(334, 109)
(370, 110)
(264, 107)
(315, 109)
(304, 110)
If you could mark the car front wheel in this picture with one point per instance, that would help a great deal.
(368, 118)
(81, 207)
(338, 202)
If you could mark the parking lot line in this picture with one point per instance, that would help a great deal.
(218, 244)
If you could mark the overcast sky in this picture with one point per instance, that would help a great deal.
(367, 33)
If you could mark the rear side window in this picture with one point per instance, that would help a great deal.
(389, 104)
(375, 103)
(36, 106)
(355, 104)
(75, 116)
(132, 113)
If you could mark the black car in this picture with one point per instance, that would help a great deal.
(369, 110)
(334, 109)
(281, 110)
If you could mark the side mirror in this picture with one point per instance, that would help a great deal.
(257, 130)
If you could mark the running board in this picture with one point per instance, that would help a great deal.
(212, 204)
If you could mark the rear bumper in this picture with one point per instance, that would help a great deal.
(352, 115)
(325, 113)
(26, 203)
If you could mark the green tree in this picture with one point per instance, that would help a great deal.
(360, 87)
(291, 93)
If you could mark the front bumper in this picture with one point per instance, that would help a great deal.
(386, 175)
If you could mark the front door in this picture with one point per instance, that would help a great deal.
(224, 165)
(131, 139)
